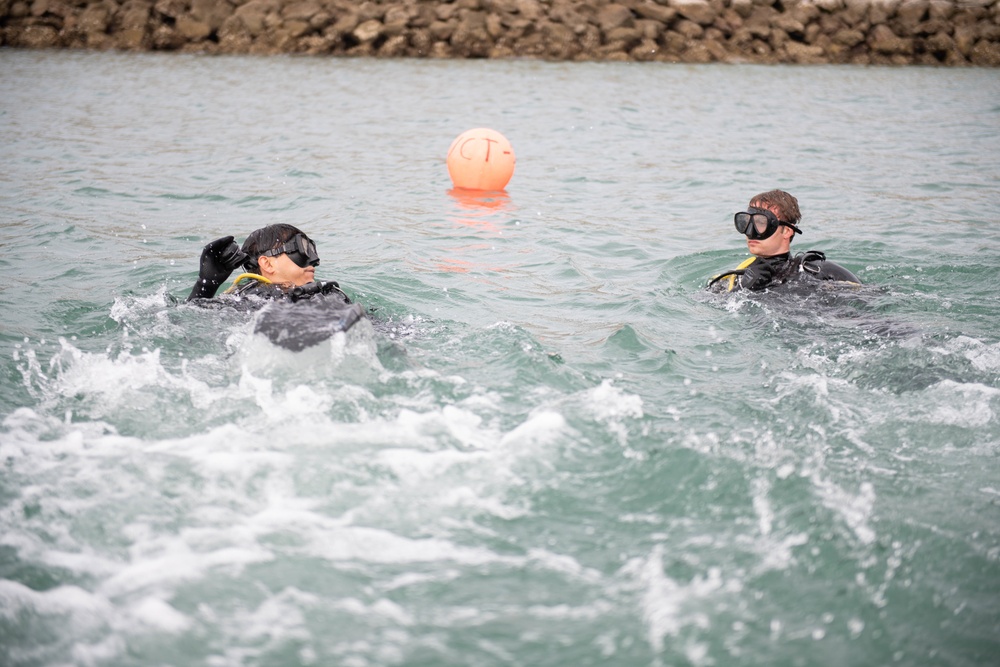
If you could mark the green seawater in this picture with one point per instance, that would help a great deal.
(550, 445)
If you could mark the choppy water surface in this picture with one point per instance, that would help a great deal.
(552, 447)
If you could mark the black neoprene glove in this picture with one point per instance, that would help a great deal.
(218, 259)
(757, 276)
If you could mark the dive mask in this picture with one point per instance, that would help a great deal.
(300, 249)
(760, 224)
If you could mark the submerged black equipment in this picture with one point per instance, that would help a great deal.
(760, 224)
(300, 249)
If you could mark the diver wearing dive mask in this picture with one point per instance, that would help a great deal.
(301, 250)
(760, 223)
(279, 260)
(769, 224)
(293, 310)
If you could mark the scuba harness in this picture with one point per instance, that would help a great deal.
(810, 261)
(246, 283)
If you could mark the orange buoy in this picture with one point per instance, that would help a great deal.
(481, 159)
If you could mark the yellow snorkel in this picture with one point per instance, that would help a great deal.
(246, 276)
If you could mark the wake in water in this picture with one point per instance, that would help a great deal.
(181, 488)
(856, 333)
(233, 491)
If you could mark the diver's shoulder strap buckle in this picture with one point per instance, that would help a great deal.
(810, 261)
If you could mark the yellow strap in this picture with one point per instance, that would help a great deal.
(732, 279)
(247, 276)
(747, 262)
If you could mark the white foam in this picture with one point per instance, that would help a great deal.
(82, 611)
(81, 562)
(968, 405)
(459, 425)
(99, 653)
(779, 554)
(116, 379)
(391, 488)
(762, 505)
(297, 402)
(542, 428)
(668, 606)
(565, 565)
(776, 551)
(163, 563)
(279, 616)
(391, 611)
(154, 614)
(819, 387)
(983, 356)
(124, 307)
(414, 465)
(350, 356)
(609, 403)
(375, 545)
(443, 574)
(855, 510)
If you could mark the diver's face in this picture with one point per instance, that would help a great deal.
(287, 272)
(776, 244)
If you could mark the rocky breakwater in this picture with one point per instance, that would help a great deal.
(891, 32)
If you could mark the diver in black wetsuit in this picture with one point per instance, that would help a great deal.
(281, 262)
(769, 224)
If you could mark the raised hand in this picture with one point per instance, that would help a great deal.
(218, 259)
